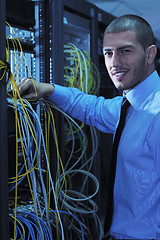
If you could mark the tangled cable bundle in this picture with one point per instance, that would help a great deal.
(54, 207)
(79, 70)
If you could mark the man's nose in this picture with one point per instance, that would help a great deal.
(116, 60)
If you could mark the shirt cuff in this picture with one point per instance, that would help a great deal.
(58, 94)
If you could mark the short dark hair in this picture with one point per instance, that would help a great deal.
(137, 24)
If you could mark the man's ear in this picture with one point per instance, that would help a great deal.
(151, 54)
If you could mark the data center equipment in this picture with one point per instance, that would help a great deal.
(49, 196)
(57, 167)
(95, 23)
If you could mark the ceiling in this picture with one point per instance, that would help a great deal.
(148, 9)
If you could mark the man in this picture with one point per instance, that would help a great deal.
(129, 52)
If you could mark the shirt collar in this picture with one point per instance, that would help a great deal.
(141, 92)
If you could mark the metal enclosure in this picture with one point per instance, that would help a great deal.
(54, 23)
(4, 219)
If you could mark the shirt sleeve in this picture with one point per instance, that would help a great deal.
(95, 111)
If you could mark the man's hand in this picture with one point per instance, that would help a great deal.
(33, 90)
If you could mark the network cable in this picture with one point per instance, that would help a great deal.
(35, 218)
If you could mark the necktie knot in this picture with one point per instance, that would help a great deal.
(125, 104)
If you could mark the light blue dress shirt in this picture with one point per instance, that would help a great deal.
(137, 181)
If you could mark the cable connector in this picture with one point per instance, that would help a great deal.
(8, 70)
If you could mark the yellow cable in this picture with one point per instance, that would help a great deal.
(23, 57)
(16, 126)
(15, 93)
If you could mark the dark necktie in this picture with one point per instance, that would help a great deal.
(117, 137)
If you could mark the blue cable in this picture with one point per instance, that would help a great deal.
(44, 227)
(13, 184)
(30, 228)
(28, 224)
(17, 228)
(37, 134)
(75, 218)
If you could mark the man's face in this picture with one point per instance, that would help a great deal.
(125, 59)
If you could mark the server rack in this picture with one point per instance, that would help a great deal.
(21, 16)
(50, 38)
(4, 221)
(98, 22)
(7, 13)
(101, 167)
(54, 16)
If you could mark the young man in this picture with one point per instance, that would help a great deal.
(129, 52)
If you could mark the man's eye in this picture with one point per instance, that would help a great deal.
(125, 51)
(108, 54)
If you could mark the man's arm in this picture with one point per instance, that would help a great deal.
(95, 111)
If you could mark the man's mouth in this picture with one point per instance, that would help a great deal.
(119, 74)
